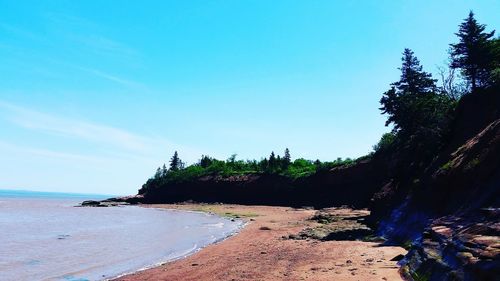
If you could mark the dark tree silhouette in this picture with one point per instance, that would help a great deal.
(164, 170)
(413, 78)
(420, 113)
(272, 162)
(473, 53)
(286, 159)
(400, 101)
(158, 173)
(205, 161)
(175, 162)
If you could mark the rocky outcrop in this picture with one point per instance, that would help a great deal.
(457, 248)
(449, 213)
(112, 202)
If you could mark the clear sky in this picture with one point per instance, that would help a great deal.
(94, 95)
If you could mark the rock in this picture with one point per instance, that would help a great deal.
(398, 258)
(91, 203)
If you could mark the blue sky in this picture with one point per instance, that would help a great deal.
(94, 95)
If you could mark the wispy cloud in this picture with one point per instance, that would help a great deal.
(85, 37)
(114, 78)
(104, 45)
(90, 35)
(82, 130)
(50, 153)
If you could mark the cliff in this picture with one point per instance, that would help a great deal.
(449, 214)
(445, 210)
(339, 186)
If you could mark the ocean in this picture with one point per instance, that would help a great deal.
(44, 237)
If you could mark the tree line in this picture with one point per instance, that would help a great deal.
(419, 111)
(274, 164)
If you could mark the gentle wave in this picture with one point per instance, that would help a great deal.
(50, 240)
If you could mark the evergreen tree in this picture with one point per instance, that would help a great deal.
(205, 161)
(175, 162)
(402, 101)
(272, 162)
(473, 53)
(158, 173)
(264, 164)
(317, 163)
(286, 159)
(164, 170)
(413, 78)
(495, 51)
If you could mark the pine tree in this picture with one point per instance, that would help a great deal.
(272, 162)
(413, 78)
(164, 170)
(402, 101)
(317, 163)
(472, 54)
(205, 161)
(158, 173)
(264, 164)
(286, 159)
(279, 163)
(175, 162)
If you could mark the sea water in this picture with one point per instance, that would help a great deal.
(44, 237)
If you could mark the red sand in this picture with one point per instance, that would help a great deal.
(257, 253)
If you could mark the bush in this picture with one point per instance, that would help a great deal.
(385, 142)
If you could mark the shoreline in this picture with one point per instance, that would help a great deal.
(188, 253)
(259, 250)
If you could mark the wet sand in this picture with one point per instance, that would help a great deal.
(260, 252)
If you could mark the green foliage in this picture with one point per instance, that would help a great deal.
(234, 167)
(421, 115)
(413, 79)
(175, 162)
(446, 166)
(474, 54)
(385, 142)
(495, 62)
(402, 103)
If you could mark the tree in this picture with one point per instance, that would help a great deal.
(264, 164)
(286, 159)
(317, 164)
(272, 162)
(473, 53)
(452, 85)
(385, 142)
(401, 101)
(413, 78)
(232, 158)
(205, 161)
(175, 163)
(164, 170)
(495, 52)
(158, 173)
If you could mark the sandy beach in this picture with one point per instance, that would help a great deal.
(263, 251)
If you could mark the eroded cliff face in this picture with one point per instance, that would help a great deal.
(450, 213)
(447, 208)
(340, 186)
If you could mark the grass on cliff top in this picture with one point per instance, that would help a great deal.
(232, 167)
